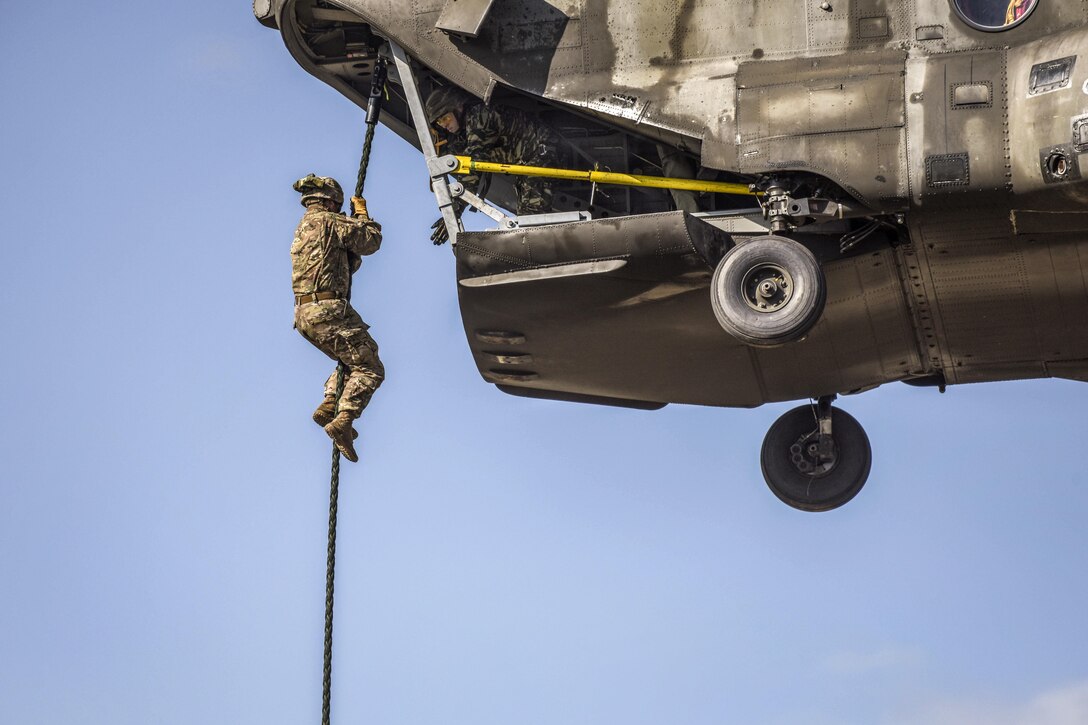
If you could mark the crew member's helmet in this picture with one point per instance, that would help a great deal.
(319, 187)
(443, 100)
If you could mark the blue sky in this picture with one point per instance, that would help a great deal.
(163, 492)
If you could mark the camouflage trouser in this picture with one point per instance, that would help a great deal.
(336, 329)
(535, 193)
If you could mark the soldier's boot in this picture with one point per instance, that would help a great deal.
(343, 435)
(325, 412)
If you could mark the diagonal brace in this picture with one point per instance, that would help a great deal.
(439, 183)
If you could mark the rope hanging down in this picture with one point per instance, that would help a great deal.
(373, 110)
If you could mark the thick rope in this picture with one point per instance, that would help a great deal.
(365, 160)
(373, 110)
(330, 563)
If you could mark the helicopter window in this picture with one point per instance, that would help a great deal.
(994, 15)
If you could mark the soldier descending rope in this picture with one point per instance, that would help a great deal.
(328, 248)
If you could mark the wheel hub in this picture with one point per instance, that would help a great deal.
(806, 458)
(767, 288)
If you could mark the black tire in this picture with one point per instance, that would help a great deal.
(768, 321)
(815, 490)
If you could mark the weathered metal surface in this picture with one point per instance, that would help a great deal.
(957, 149)
(1000, 305)
(645, 332)
(1042, 120)
(490, 253)
(839, 116)
(464, 17)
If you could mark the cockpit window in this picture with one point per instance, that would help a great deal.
(994, 15)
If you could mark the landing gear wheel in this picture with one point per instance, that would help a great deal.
(799, 475)
(768, 292)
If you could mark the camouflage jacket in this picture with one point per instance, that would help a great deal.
(328, 248)
(503, 135)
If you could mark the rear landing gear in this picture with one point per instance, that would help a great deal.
(816, 457)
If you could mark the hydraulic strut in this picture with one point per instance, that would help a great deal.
(466, 165)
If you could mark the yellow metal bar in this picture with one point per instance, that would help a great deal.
(467, 166)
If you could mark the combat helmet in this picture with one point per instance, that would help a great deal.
(319, 187)
(443, 100)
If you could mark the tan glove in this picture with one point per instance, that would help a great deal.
(358, 207)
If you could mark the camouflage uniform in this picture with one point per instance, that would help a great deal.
(506, 135)
(502, 135)
(326, 251)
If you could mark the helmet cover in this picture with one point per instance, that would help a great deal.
(319, 187)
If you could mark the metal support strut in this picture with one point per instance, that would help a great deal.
(825, 441)
(439, 184)
(814, 453)
(465, 165)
